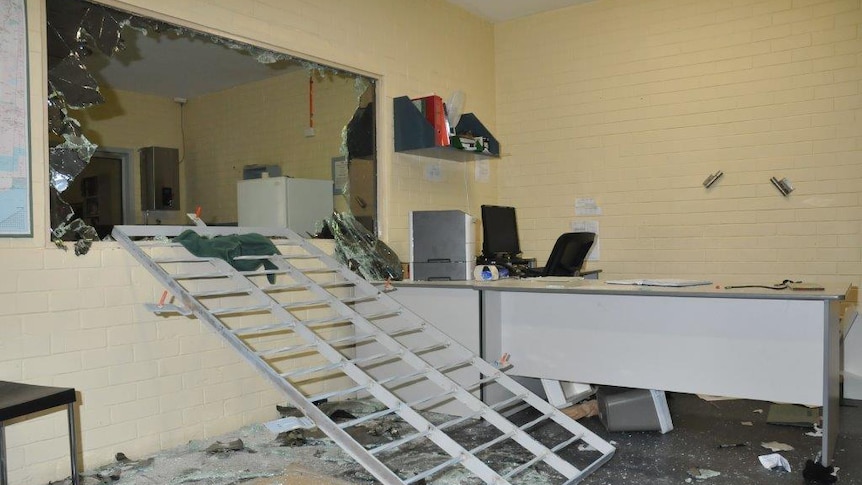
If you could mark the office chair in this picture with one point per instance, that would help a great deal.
(568, 255)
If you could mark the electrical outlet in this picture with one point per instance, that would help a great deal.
(309, 132)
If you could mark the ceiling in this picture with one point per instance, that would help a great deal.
(185, 67)
(178, 67)
(503, 10)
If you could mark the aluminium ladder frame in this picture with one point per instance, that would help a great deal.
(365, 330)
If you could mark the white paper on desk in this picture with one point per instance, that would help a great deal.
(660, 282)
(589, 226)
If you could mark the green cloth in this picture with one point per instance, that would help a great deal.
(229, 247)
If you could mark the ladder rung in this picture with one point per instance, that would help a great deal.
(566, 443)
(442, 369)
(360, 299)
(181, 259)
(325, 320)
(158, 243)
(398, 442)
(263, 272)
(199, 276)
(427, 473)
(337, 284)
(427, 348)
(339, 364)
(272, 327)
(357, 338)
(528, 464)
(479, 413)
(285, 286)
(379, 315)
(536, 421)
(305, 304)
(311, 370)
(285, 350)
(340, 392)
(300, 256)
(319, 270)
(488, 444)
(240, 309)
(225, 292)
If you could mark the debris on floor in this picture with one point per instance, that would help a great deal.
(776, 446)
(732, 445)
(817, 433)
(746, 423)
(233, 445)
(702, 473)
(774, 461)
(582, 410)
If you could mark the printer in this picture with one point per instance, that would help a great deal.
(442, 245)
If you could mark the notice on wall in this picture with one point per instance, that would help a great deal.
(433, 172)
(483, 171)
(589, 226)
(586, 206)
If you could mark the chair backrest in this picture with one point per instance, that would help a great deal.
(569, 253)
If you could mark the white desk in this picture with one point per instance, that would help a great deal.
(750, 343)
(774, 345)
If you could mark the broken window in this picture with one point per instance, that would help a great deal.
(119, 81)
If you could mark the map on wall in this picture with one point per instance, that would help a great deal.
(15, 219)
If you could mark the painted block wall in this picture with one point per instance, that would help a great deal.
(635, 103)
(264, 123)
(148, 383)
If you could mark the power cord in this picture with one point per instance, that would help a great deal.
(778, 286)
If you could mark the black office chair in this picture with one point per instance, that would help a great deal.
(568, 255)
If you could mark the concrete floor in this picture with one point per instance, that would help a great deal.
(641, 457)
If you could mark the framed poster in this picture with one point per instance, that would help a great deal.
(16, 211)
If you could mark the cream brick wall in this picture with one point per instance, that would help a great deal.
(148, 383)
(635, 103)
(262, 123)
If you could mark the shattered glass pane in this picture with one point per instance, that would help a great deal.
(68, 159)
(362, 251)
(103, 27)
(59, 121)
(71, 78)
(77, 28)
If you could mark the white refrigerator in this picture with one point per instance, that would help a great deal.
(298, 204)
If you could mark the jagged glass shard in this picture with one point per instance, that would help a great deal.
(362, 251)
(103, 26)
(71, 78)
(68, 159)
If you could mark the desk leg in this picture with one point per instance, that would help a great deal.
(831, 363)
(73, 443)
(4, 480)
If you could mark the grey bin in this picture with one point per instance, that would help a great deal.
(622, 409)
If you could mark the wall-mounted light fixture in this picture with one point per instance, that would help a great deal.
(782, 185)
(713, 178)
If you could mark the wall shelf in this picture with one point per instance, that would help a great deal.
(415, 135)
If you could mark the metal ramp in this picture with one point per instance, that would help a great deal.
(301, 323)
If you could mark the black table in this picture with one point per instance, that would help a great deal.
(18, 400)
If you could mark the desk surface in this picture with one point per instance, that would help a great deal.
(575, 285)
